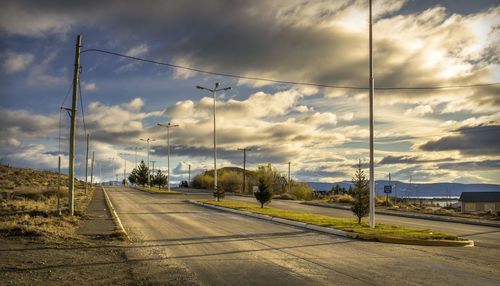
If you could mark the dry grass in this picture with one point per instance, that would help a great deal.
(341, 199)
(28, 205)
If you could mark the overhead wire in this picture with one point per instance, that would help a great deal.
(286, 81)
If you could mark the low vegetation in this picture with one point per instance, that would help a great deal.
(231, 180)
(338, 223)
(28, 204)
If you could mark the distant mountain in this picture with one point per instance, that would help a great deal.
(419, 190)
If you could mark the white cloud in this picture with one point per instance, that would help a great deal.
(17, 62)
(420, 110)
(135, 105)
(89, 86)
(304, 108)
(137, 50)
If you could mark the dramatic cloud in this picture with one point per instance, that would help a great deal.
(477, 140)
(323, 131)
(390, 160)
(21, 124)
(485, 165)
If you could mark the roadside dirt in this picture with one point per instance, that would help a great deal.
(48, 251)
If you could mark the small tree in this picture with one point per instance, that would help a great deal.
(361, 194)
(219, 194)
(265, 193)
(139, 175)
(132, 178)
(159, 179)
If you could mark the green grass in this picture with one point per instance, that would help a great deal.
(158, 191)
(338, 223)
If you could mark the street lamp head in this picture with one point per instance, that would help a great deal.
(217, 85)
(199, 87)
(227, 88)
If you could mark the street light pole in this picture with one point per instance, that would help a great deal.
(149, 173)
(168, 126)
(213, 91)
(372, 91)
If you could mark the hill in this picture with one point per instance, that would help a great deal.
(13, 178)
(417, 189)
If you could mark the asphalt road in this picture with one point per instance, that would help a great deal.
(220, 248)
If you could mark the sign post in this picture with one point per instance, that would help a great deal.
(387, 191)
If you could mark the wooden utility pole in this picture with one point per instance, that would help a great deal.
(289, 178)
(71, 186)
(59, 187)
(92, 171)
(244, 166)
(189, 182)
(87, 164)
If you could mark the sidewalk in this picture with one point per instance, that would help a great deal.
(416, 215)
(98, 221)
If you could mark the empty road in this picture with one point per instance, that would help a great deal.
(209, 247)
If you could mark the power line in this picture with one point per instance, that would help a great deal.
(286, 81)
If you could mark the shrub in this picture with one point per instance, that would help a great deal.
(286, 196)
(202, 181)
(342, 199)
(230, 181)
(302, 191)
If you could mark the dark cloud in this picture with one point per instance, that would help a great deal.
(477, 140)
(476, 166)
(56, 153)
(317, 174)
(406, 159)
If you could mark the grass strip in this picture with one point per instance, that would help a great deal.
(156, 190)
(339, 223)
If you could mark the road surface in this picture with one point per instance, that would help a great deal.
(221, 248)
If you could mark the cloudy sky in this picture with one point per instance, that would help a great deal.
(433, 135)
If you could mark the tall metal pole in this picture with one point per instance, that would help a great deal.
(168, 157)
(372, 91)
(213, 91)
(168, 126)
(215, 147)
(71, 186)
(136, 157)
(149, 173)
(87, 164)
(189, 182)
(125, 172)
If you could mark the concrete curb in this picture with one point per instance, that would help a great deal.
(354, 235)
(417, 216)
(114, 215)
(151, 192)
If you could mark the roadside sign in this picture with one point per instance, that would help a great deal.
(255, 189)
(388, 189)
